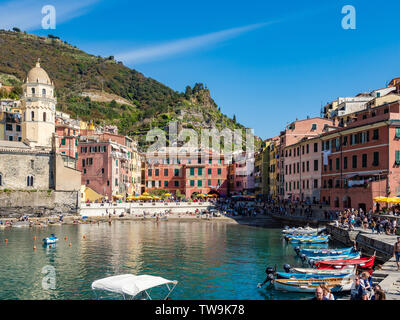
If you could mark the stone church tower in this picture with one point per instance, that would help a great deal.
(39, 107)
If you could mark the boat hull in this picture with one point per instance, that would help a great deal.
(311, 240)
(338, 257)
(286, 275)
(349, 269)
(325, 252)
(310, 286)
(362, 263)
(50, 240)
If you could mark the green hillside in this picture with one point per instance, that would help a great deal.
(151, 104)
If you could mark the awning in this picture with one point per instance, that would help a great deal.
(130, 284)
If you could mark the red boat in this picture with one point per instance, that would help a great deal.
(361, 263)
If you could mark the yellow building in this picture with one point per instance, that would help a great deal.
(272, 168)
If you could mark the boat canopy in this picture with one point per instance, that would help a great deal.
(129, 284)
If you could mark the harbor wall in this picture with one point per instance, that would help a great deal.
(134, 208)
(366, 242)
(38, 202)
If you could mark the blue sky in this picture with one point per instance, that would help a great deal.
(267, 62)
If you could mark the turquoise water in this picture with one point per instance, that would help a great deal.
(210, 260)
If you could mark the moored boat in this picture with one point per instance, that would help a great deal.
(291, 275)
(349, 269)
(301, 236)
(312, 260)
(321, 239)
(50, 240)
(323, 251)
(301, 230)
(309, 285)
(362, 263)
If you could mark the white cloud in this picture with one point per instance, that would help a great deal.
(164, 50)
(27, 14)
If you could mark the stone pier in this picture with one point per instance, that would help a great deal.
(381, 245)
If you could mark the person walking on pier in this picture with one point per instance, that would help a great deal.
(396, 253)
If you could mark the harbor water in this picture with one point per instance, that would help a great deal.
(211, 260)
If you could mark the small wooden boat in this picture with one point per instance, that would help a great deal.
(301, 236)
(347, 270)
(320, 239)
(362, 263)
(301, 230)
(323, 251)
(312, 260)
(309, 285)
(50, 240)
(290, 275)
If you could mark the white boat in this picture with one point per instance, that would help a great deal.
(300, 230)
(310, 285)
(50, 240)
(352, 269)
(133, 287)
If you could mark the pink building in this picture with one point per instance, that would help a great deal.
(243, 173)
(67, 131)
(106, 161)
(302, 170)
(362, 160)
(293, 134)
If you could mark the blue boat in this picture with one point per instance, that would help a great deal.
(286, 275)
(50, 240)
(352, 255)
(294, 236)
(321, 239)
(312, 260)
(323, 251)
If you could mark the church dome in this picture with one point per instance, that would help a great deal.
(38, 75)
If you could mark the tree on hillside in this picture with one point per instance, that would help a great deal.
(16, 29)
(188, 92)
(234, 118)
(198, 87)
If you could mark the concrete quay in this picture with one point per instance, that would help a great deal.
(385, 274)
(137, 208)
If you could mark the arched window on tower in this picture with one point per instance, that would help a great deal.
(43, 92)
(32, 115)
(33, 91)
(44, 116)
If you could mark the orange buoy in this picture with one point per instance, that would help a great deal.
(70, 244)
(65, 238)
(34, 247)
(49, 245)
(34, 238)
(6, 240)
(84, 237)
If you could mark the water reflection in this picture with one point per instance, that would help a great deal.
(210, 260)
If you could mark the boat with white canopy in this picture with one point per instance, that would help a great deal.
(134, 287)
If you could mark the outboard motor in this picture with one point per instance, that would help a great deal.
(297, 249)
(270, 277)
(303, 256)
(270, 270)
(311, 262)
(287, 267)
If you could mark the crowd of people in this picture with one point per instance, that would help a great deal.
(351, 218)
(362, 289)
